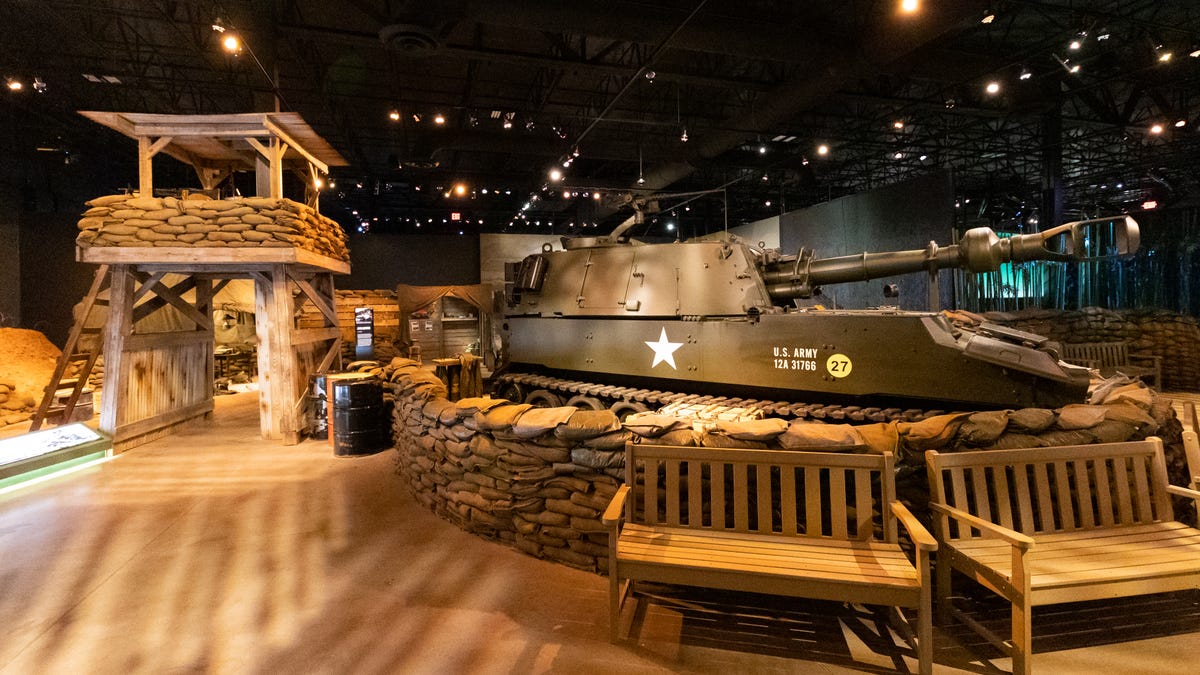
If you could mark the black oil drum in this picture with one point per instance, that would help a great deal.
(360, 419)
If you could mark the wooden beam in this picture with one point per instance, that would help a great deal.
(147, 284)
(289, 141)
(120, 324)
(304, 336)
(177, 416)
(145, 168)
(171, 296)
(189, 259)
(156, 303)
(159, 145)
(319, 301)
(143, 341)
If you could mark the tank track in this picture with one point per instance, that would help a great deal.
(612, 396)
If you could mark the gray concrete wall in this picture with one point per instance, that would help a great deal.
(894, 218)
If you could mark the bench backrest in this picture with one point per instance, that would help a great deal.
(1044, 490)
(810, 494)
(1105, 353)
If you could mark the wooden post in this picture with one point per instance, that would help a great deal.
(145, 168)
(120, 325)
(274, 323)
(204, 296)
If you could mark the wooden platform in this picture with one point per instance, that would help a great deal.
(193, 259)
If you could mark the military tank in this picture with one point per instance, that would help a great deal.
(610, 323)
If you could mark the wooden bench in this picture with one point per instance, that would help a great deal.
(1043, 526)
(1111, 358)
(802, 524)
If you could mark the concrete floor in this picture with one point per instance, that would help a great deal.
(214, 551)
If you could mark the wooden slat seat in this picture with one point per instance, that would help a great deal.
(1042, 526)
(824, 570)
(1112, 358)
(801, 524)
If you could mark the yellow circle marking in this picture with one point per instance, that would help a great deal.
(839, 365)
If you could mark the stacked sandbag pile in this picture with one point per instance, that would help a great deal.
(197, 221)
(1151, 332)
(538, 479)
(14, 406)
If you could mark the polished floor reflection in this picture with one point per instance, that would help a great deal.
(214, 551)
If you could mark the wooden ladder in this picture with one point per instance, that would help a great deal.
(72, 354)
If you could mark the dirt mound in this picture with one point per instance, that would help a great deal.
(27, 361)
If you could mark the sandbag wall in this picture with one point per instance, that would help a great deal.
(1174, 337)
(197, 221)
(538, 479)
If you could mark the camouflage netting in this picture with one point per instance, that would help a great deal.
(538, 479)
(197, 221)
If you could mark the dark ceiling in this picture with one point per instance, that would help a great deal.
(757, 85)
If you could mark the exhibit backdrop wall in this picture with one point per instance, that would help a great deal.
(893, 218)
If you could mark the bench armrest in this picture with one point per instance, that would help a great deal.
(916, 531)
(616, 507)
(987, 527)
(1186, 492)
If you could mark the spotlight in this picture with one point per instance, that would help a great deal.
(555, 175)
(1025, 74)
(1180, 123)
(439, 119)
(822, 150)
(1156, 129)
(765, 178)
(1195, 53)
(683, 137)
(566, 194)
(416, 117)
(596, 196)
(232, 44)
(39, 85)
(1074, 45)
(14, 85)
(909, 6)
(650, 75)
(924, 157)
(993, 87)
(1163, 55)
(460, 189)
(898, 124)
(318, 183)
(394, 115)
(898, 155)
(762, 149)
(767, 203)
(988, 17)
(641, 180)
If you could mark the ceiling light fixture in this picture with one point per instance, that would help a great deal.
(394, 115)
(460, 189)
(39, 85)
(232, 44)
(988, 17)
(822, 150)
(439, 119)
(14, 85)
(909, 6)
(898, 155)
(555, 175)
(924, 157)
(1025, 74)
(898, 124)
(683, 137)
(1195, 53)
(993, 87)
(1180, 123)
(1156, 129)
(416, 117)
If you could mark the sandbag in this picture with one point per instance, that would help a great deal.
(538, 421)
(1079, 416)
(752, 430)
(652, 425)
(825, 436)
(585, 424)
(1030, 420)
(983, 428)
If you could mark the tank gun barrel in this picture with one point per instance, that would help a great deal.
(979, 250)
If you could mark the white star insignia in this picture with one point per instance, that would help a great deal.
(664, 350)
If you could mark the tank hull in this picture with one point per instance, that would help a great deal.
(833, 355)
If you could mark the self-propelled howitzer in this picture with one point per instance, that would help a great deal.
(718, 317)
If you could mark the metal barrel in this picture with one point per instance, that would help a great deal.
(360, 420)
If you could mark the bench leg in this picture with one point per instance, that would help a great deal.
(925, 632)
(614, 604)
(942, 572)
(1022, 639)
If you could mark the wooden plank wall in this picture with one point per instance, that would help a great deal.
(162, 379)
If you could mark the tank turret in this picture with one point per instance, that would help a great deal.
(720, 317)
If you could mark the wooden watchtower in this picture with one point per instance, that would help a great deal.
(171, 255)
